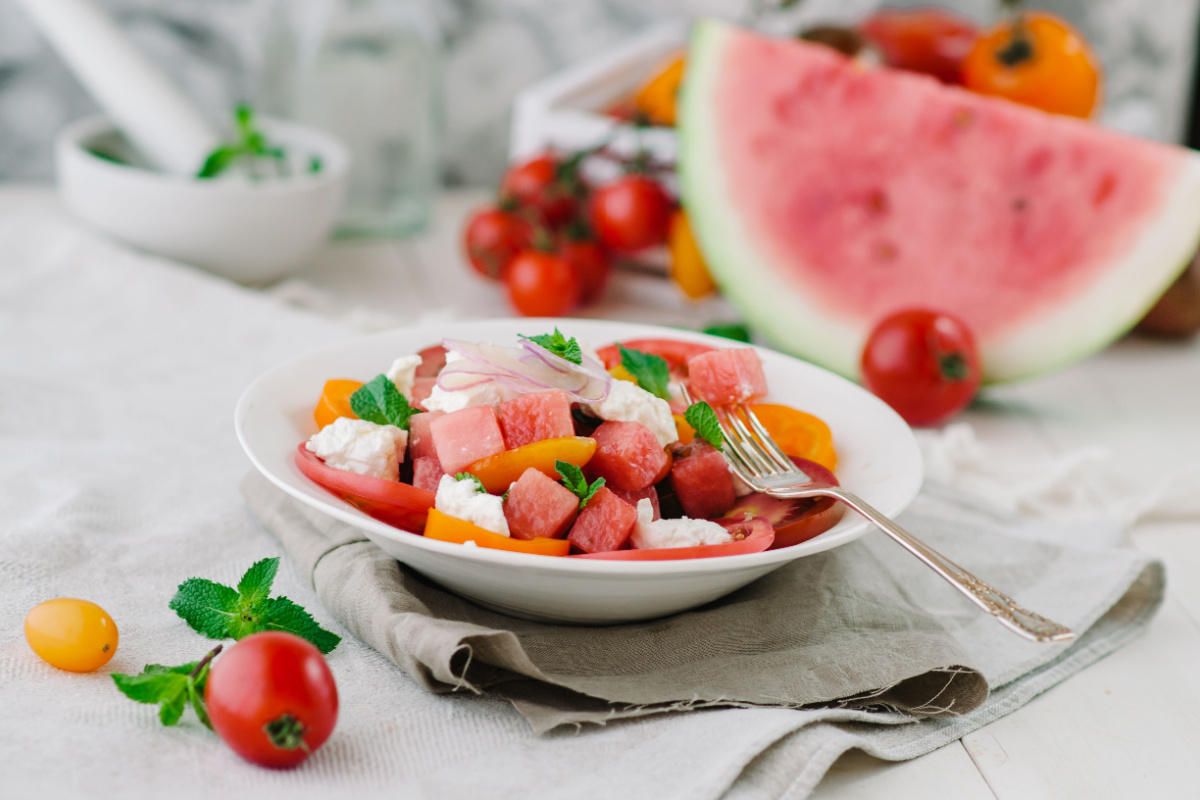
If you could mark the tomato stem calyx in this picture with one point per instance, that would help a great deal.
(953, 366)
(286, 732)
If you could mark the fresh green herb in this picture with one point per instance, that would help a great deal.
(250, 147)
(573, 479)
(732, 330)
(171, 688)
(650, 371)
(379, 401)
(466, 476)
(220, 612)
(559, 345)
(704, 420)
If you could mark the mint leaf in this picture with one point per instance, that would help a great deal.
(733, 330)
(379, 401)
(573, 479)
(559, 345)
(255, 585)
(650, 371)
(171, 688)
(466, 476)
(281, 614)
(210, 608)
(704, 420)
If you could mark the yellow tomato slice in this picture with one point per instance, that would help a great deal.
(656, 99)
(497, 472)
(683, 429)
(688, 269)
(335, 401)
(797, 433)
(446, 528)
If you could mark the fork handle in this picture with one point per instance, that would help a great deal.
(1020, 620)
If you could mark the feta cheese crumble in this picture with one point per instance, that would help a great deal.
(650, 533)
(361, 447)
(463, 499)
(628, 402)
(485, 394)
(403, 372)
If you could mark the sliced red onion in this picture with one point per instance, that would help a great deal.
(523, 370)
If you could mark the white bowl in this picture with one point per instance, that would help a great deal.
(249, 232)
(877, 458)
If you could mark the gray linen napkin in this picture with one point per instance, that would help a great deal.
(863, 627)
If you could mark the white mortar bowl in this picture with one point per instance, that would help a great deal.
(252, 232)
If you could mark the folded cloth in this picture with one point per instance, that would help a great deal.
(864, 626)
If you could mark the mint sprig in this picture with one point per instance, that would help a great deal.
(250, 147)
(466, 476)
(650, 371)
(220, 612)
(172, 689)
(704, 420)
(730, 330)
(379, 401)
(559, 345)
(573, 479)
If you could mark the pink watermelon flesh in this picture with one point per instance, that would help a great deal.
(463, 437)
(702, 481)
(427, 473)
(628, 456)
(649, 493)
(606, 523)
(420, 438)
(732, 375)
(538, 505)
(827, 194)
(422, 388)
(533, 417)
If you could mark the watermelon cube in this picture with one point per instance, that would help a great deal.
(649, 493)
(628, 456)
(538, 505)
(422, 388)
(533, 417)
(732, 375)
(702, 481)
(427, 473)
(420, 438)
(463, 437)
(606, 523)
(433, 358)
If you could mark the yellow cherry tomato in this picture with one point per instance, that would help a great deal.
(446, 528)
(71, 634)
(498, 472)
(798, 433)
(657, 98)
(687, 269)
(335, 401)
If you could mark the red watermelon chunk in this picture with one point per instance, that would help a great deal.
(702, 481)
(732, 375)
(536, 416)
(538, 505)
(649, 493)
(463, 437)
(628, 456)
(422, 388)
(433, 358)
(427, 473)
(605, 524)
(420, 438)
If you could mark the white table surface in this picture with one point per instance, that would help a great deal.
(1113, 731)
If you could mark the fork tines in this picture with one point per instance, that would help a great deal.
(751, 451)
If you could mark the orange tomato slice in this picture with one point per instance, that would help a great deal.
(688, 269)
(683, 429)
(497, 472)
(335, 401)
(446, 528)
(797, 433)
(656, 99)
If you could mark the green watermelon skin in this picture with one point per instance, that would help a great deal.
(826, 194)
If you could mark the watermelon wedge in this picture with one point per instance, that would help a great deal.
(826, 194)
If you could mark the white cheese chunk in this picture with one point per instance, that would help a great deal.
(485, 394)
(463, 499)
(652, 534)
(362, 447)
(403, 372)
(628, 402)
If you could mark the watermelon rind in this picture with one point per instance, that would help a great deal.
(792, 322)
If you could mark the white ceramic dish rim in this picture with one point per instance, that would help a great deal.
(852, 527)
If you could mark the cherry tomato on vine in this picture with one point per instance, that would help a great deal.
(592, 263)
(492, 238)
(631, 213)
(71, 634)
(272, 699)
(922, 363)
(542, 284)
(1038, 61)
(932, 41)
(545, 185)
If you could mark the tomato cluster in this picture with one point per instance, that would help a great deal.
(552, 236)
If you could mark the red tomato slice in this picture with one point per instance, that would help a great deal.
(795, 521)
(395, 503)
(751, 535)
(674, 352)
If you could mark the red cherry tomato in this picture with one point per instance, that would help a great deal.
(928, 40)
(392, 502)
(631, 214)
(543, 185)
(794, 521)
(750, 535)
(272, 699)
(592, 263)
(542, 284)
(493, 238)
(922, 363)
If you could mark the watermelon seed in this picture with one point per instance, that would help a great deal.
(1019, 204)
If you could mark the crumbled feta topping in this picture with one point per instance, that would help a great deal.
(628, 402)
(485, 394)
(463, 499)
(650, 533)
(362, 447)
(403, 372)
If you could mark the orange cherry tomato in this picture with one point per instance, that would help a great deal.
(683, 429)
(498, 472)
(656, 99)
(1038, 61)
(71, 634)
(797, 433)
(446, 528)
(335, 401)
(687, 269)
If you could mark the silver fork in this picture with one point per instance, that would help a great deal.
(759, 461)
